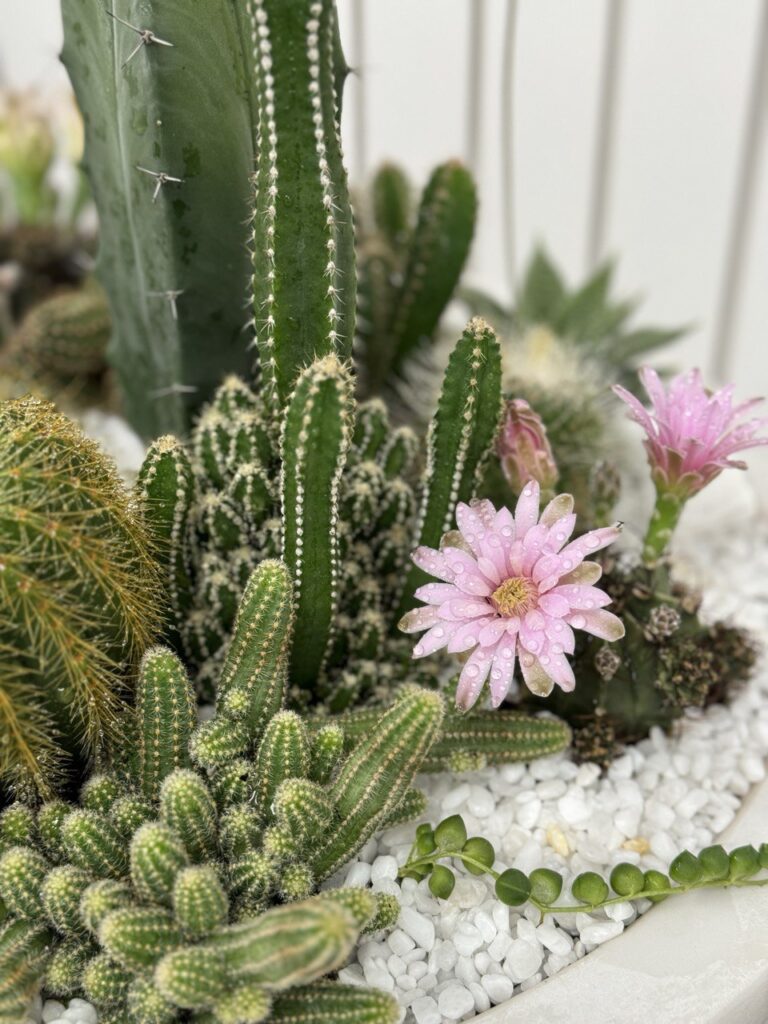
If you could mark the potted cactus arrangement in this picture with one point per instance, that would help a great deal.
(234, 787)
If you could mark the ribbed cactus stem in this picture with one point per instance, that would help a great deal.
(333, 1003)
(166, 490)
(289, 945)
(438, 250)
(302, 241)
(165, 713)
(257, 660)
(283, 754)
(460, 438)
(314, 447)
(378, 773)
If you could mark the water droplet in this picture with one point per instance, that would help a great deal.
(527, 660)
(590, 604)
(578, 621)
(506, 531)
(506, 652)
(472, 670)
(592, 542)
(544, 659)
(567, 563)
(557, 649)
(458, 568)
(418, 650)
(439, 631)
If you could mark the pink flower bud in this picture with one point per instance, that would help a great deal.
(524, 449)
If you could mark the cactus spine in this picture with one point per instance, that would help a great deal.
(78, 592)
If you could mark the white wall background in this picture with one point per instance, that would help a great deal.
(685, 76)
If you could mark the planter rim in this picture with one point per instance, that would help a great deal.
(699, 958)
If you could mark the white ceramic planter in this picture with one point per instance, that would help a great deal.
(696, 959)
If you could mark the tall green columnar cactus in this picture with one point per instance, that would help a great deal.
(460, 437)
(315, 439)
(180, 105)
(302, 243)
(77, 595)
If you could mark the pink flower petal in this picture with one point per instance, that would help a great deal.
(559, 507)
(536, 679)
(502, 672)
(588, 543)
(579, 596)
(434, 639)
(559, 669)
(600, 623)
(466, 635)
(437, 593)
(418, 619)
(472, 677)
(433, 562)
(586, 573)
(527, 509)
(463, 608)
(554, 604)
(493, 632)
(466, 575)
(471, 524)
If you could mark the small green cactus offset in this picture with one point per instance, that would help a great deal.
(78, 595)
(184, 879)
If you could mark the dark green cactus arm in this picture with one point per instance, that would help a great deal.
(184, 110)
(378, 773)
(438, 250)
(257, 660)
(315, 440)
(476, 737)
(165, 713)
(302, 243)
(187, 806)
(391, 202)
(166, 490)
(460, 436)
(289, 945)
(283, 754)
(332, 1003)
(157, 856)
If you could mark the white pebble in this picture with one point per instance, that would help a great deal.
(553, 939)
(399, 942)
(383, 868)
(454, 1001)
(601, 931)
(467, 939)
(573, 807)
(455, 798)
(480, 802)
(426, 1011)
(498, 986)
(51, 1010)
(420, 928)
(523, 960)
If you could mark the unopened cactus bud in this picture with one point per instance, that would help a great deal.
(524, 449)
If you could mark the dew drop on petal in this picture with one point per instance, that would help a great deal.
(418, 650)
(439, 631)
(578, 622)
(544, 659)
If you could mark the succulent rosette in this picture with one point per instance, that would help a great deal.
(513, 588)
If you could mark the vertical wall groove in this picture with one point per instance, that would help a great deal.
(606, 130)
(743, 204)
(507, 143)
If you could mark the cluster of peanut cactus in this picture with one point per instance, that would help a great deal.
(77, 591)
(151, 895)
(408, 265)
(668, 660)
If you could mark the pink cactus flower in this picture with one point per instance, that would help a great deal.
(691, 433)
(513, 588)
(524, 449)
